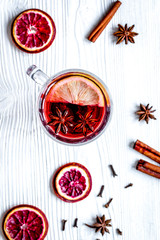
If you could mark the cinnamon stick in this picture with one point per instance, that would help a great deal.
(147, 151)
(148, 168)
(104, 22)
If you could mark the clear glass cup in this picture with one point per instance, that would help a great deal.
(74, 106)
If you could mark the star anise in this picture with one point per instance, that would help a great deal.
(101, 225)
(145, 113)
(61, 121)
(85, 122)
(125, 33)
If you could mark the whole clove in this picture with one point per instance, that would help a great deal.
(113, 171)
(101, 191)
(63, 224)
(129, 185)
(119, 231)
(75, 223)
(108, 203)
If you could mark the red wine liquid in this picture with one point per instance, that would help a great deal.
(77, 130)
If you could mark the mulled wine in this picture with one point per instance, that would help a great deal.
(74, 107)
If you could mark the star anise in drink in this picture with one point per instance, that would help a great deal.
(85, 122)
(61, 120)
(101, 225)
(145, 113)
(125, 33)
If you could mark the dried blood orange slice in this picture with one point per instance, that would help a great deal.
(33, 31)
(76, 90)
(25, 222)
(72, 182)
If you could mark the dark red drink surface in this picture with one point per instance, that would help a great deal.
(74, 122)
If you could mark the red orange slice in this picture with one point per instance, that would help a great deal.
(33, 31)
(25, 222)
(72, 182)
(76, 90)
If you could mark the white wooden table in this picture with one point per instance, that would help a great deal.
(28, 157)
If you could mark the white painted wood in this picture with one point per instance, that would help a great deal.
(28, 158)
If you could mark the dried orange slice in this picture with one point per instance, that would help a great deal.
(72, 182)
(33, 31)
(76, 90)
(25, 222)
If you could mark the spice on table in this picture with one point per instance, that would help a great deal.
(63, 224)
(119, 231)
(145, 113)
(129, 185)
(101, 191)
(147, 151)
(101, 225)
(108, 203)
(104, 22)
(148, 168)
(125, 33)
(75, 223)
(113, 171)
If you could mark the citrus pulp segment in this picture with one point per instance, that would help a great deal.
(25, 222)
(33, 31)
(72, 182)
(76, 90)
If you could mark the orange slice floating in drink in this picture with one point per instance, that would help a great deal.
(76, 90)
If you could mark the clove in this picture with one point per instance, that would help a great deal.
(119, 231)
(63, 224)
(113, 171)
(129, 185)
(108, 203)
(75, 223)
(101, 191)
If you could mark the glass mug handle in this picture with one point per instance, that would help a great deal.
(37, 75)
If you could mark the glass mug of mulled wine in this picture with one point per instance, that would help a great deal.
(74, 106)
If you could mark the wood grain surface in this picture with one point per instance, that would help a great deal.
(28, 157)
